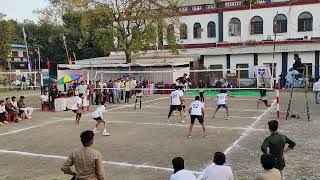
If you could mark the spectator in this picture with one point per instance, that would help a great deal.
(53, 91)
(45, 100)
(276, 143)
(23, 83)
(217, 170)
(179, 172)
(98, 91)
(316, 90)
(87, 161)
(269, 173)
(297, 65)
(23, 106)
(14, 102)
(110, 92)
(3, 112)
(127, 89)
(12, 110)
(310, 82)
(117, 86)
(90, 90)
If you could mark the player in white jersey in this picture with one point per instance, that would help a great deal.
(196, 111)
(77, 107)
(182, 104)
(221, 102)
(176, 102)
(98, 116)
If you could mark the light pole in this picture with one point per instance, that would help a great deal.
(65, 46)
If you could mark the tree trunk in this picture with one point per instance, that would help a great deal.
(128, 57)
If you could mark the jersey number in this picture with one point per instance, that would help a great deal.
(196, 106)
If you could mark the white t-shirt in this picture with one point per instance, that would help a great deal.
(44, 98)
(214, 172)
(196, 108)
(2, 109)
(77, 101)
(183, 175)
(98, 112)
(175, 97)
(83, 89)
(221, 98)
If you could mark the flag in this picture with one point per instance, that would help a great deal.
(30, 65)
(70, 61)
(48, 63)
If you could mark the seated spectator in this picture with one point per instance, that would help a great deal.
(14, 102)
(179, 172)
(23, 107)
(217, 170)
(10, 108)
(270, 173)
(3, 112)
(70, 92)
(45, 100)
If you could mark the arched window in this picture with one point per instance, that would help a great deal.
(280, 23)
(256, 25)
(305, 22)
(211, 29)
(235, 27)
(183, 31)
(197, 30)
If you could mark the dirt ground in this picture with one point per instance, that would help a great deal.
(143, 143)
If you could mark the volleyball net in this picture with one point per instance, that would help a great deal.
(14, 80)
(238, 81)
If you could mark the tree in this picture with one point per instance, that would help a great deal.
(5, 43)
(137, 23)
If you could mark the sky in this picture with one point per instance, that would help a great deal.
(21, 9)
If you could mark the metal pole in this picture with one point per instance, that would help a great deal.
(26, 44)
(39, 56)
(65, 46)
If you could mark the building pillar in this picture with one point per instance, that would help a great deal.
(228, 62)
(316, 62)
(220, 27)
(255, 59)
(284, 63)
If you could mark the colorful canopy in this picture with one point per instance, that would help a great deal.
(69, 78)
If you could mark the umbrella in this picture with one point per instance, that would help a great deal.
(69, 78)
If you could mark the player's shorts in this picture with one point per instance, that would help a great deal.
(175, 107)
(194, 117)
(222, 106)
(138, 94)
(183, 106)
(263, 98)
(98, 119)
(76, 112)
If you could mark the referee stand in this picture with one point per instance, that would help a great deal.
(304, 74)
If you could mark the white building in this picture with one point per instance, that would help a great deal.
(18, 57)
(231, 34)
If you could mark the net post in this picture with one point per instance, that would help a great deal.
(306, 77)
(238, 78)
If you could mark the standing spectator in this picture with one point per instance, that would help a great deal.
(45, 101)
(179, 172)
(269, 173)
(53, 91)
(90, 90)
(127, 89)
(3, 112)
(23, 106)
(276, 143)
(201, 86)
(117, 86)
(110, 92)
(98, 92)
(122, 82)
(217, 170)
(282, 81)
(310, 82)
(133, 85)
(23, 83)
(316, 90)
(86, 160)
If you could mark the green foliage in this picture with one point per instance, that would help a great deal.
(5, 42)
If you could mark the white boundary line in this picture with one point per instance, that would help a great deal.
(212, 108)
(122, 164)
(31, 127)
(244, 133)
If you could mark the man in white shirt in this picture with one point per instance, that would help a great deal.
(3, 112)
(98, 116)
(316, 90)
(179, 172)
(221, 102)
(77, 107)
(196, 111)
(217, 170)
(176, 98)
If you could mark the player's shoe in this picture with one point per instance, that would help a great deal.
(183, 121)
(105, 133)
(1, 123)
(213, 117)
(6, 122)
(227, 118)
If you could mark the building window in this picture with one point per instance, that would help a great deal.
(197, 30)
(211, 6)
(305, 22)
(183, 9)
(183, 31)
(170, 34)
(25, 54)
(256, 25)
(15, 54)
(243, 73)
(235, 27)
(211, 28)
(197, 8)
(309, 68)
(270, 68)
(280, 23)
(217, 74)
